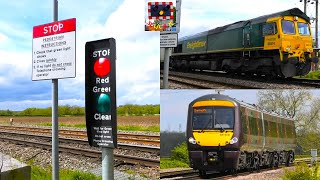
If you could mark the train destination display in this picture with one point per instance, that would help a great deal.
(54, 50)
(100, 88)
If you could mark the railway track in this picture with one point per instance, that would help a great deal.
(202, 83)
(149, 149)
(85, 152)
(247, 82)
(122, 137)
(190, 174)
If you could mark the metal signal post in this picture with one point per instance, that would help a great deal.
(55, 127)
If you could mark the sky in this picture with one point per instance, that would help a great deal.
(137, 73)
(174, 104)
(137, 51)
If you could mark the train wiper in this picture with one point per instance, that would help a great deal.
(210, 121)
(222, 129)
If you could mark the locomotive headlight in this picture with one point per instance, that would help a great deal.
(288, 49)
(234, 140)
(192, 140)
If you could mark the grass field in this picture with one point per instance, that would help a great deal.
(129, 123)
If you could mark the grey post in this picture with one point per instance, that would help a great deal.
(317, 23)
(55, 128)
(305, 6)
(166, 68)
(107, 164)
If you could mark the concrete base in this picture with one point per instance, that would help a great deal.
(13, 169)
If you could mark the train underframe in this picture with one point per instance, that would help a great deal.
(259, 62)
(233, 160)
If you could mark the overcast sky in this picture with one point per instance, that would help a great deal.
(137, 51)
(174, 104)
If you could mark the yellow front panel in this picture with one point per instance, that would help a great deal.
(212, 137)
(214, 103)
(293, 44)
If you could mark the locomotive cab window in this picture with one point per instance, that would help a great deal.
(303, 29)
(210, 118)
(269, 29)
(288, 27)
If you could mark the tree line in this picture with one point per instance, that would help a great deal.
(67, 110)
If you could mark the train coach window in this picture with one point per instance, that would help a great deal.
(269, 29)
(288, 27)
(303, 29)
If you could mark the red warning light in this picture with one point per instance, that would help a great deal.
(102, 67)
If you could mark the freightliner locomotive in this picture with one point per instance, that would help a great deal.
(275, 45)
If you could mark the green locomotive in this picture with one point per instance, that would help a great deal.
(278, 44)
(225, 134)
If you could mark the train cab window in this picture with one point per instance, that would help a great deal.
(269, 29)
(288, 27)
(213, 118)
(303, 29)
(224, 117)
(202, 118)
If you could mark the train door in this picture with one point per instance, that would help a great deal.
(246, 42)
(247, 35)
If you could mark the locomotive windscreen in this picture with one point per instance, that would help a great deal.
(210, 118)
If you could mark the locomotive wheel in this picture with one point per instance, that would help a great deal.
(276, 161)
(256, 162)
(203, 173)
(234, 172)
(304, 69)
(288, 160)
(271, 161)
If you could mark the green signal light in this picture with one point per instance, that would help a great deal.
(104, 103)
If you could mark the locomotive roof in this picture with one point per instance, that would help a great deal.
(244, 104)
(260, 19)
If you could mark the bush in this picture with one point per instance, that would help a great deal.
(302, 172)
(180, 153)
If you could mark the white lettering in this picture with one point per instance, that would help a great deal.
(101, 81)
(105, 89)
(102, 117)
(101, 53)
(54, 28)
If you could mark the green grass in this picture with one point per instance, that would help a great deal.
(38, 173)
(302, 172)
(155, 128)
(302, 156)
(311, 75)
(166, 163)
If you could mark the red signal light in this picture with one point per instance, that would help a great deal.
(102, 67)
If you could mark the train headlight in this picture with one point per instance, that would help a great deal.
(234, 140)
(192, 140)
(288, 49)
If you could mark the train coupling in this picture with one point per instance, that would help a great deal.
(213, 156)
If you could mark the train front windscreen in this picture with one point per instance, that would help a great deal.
(213, 118)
